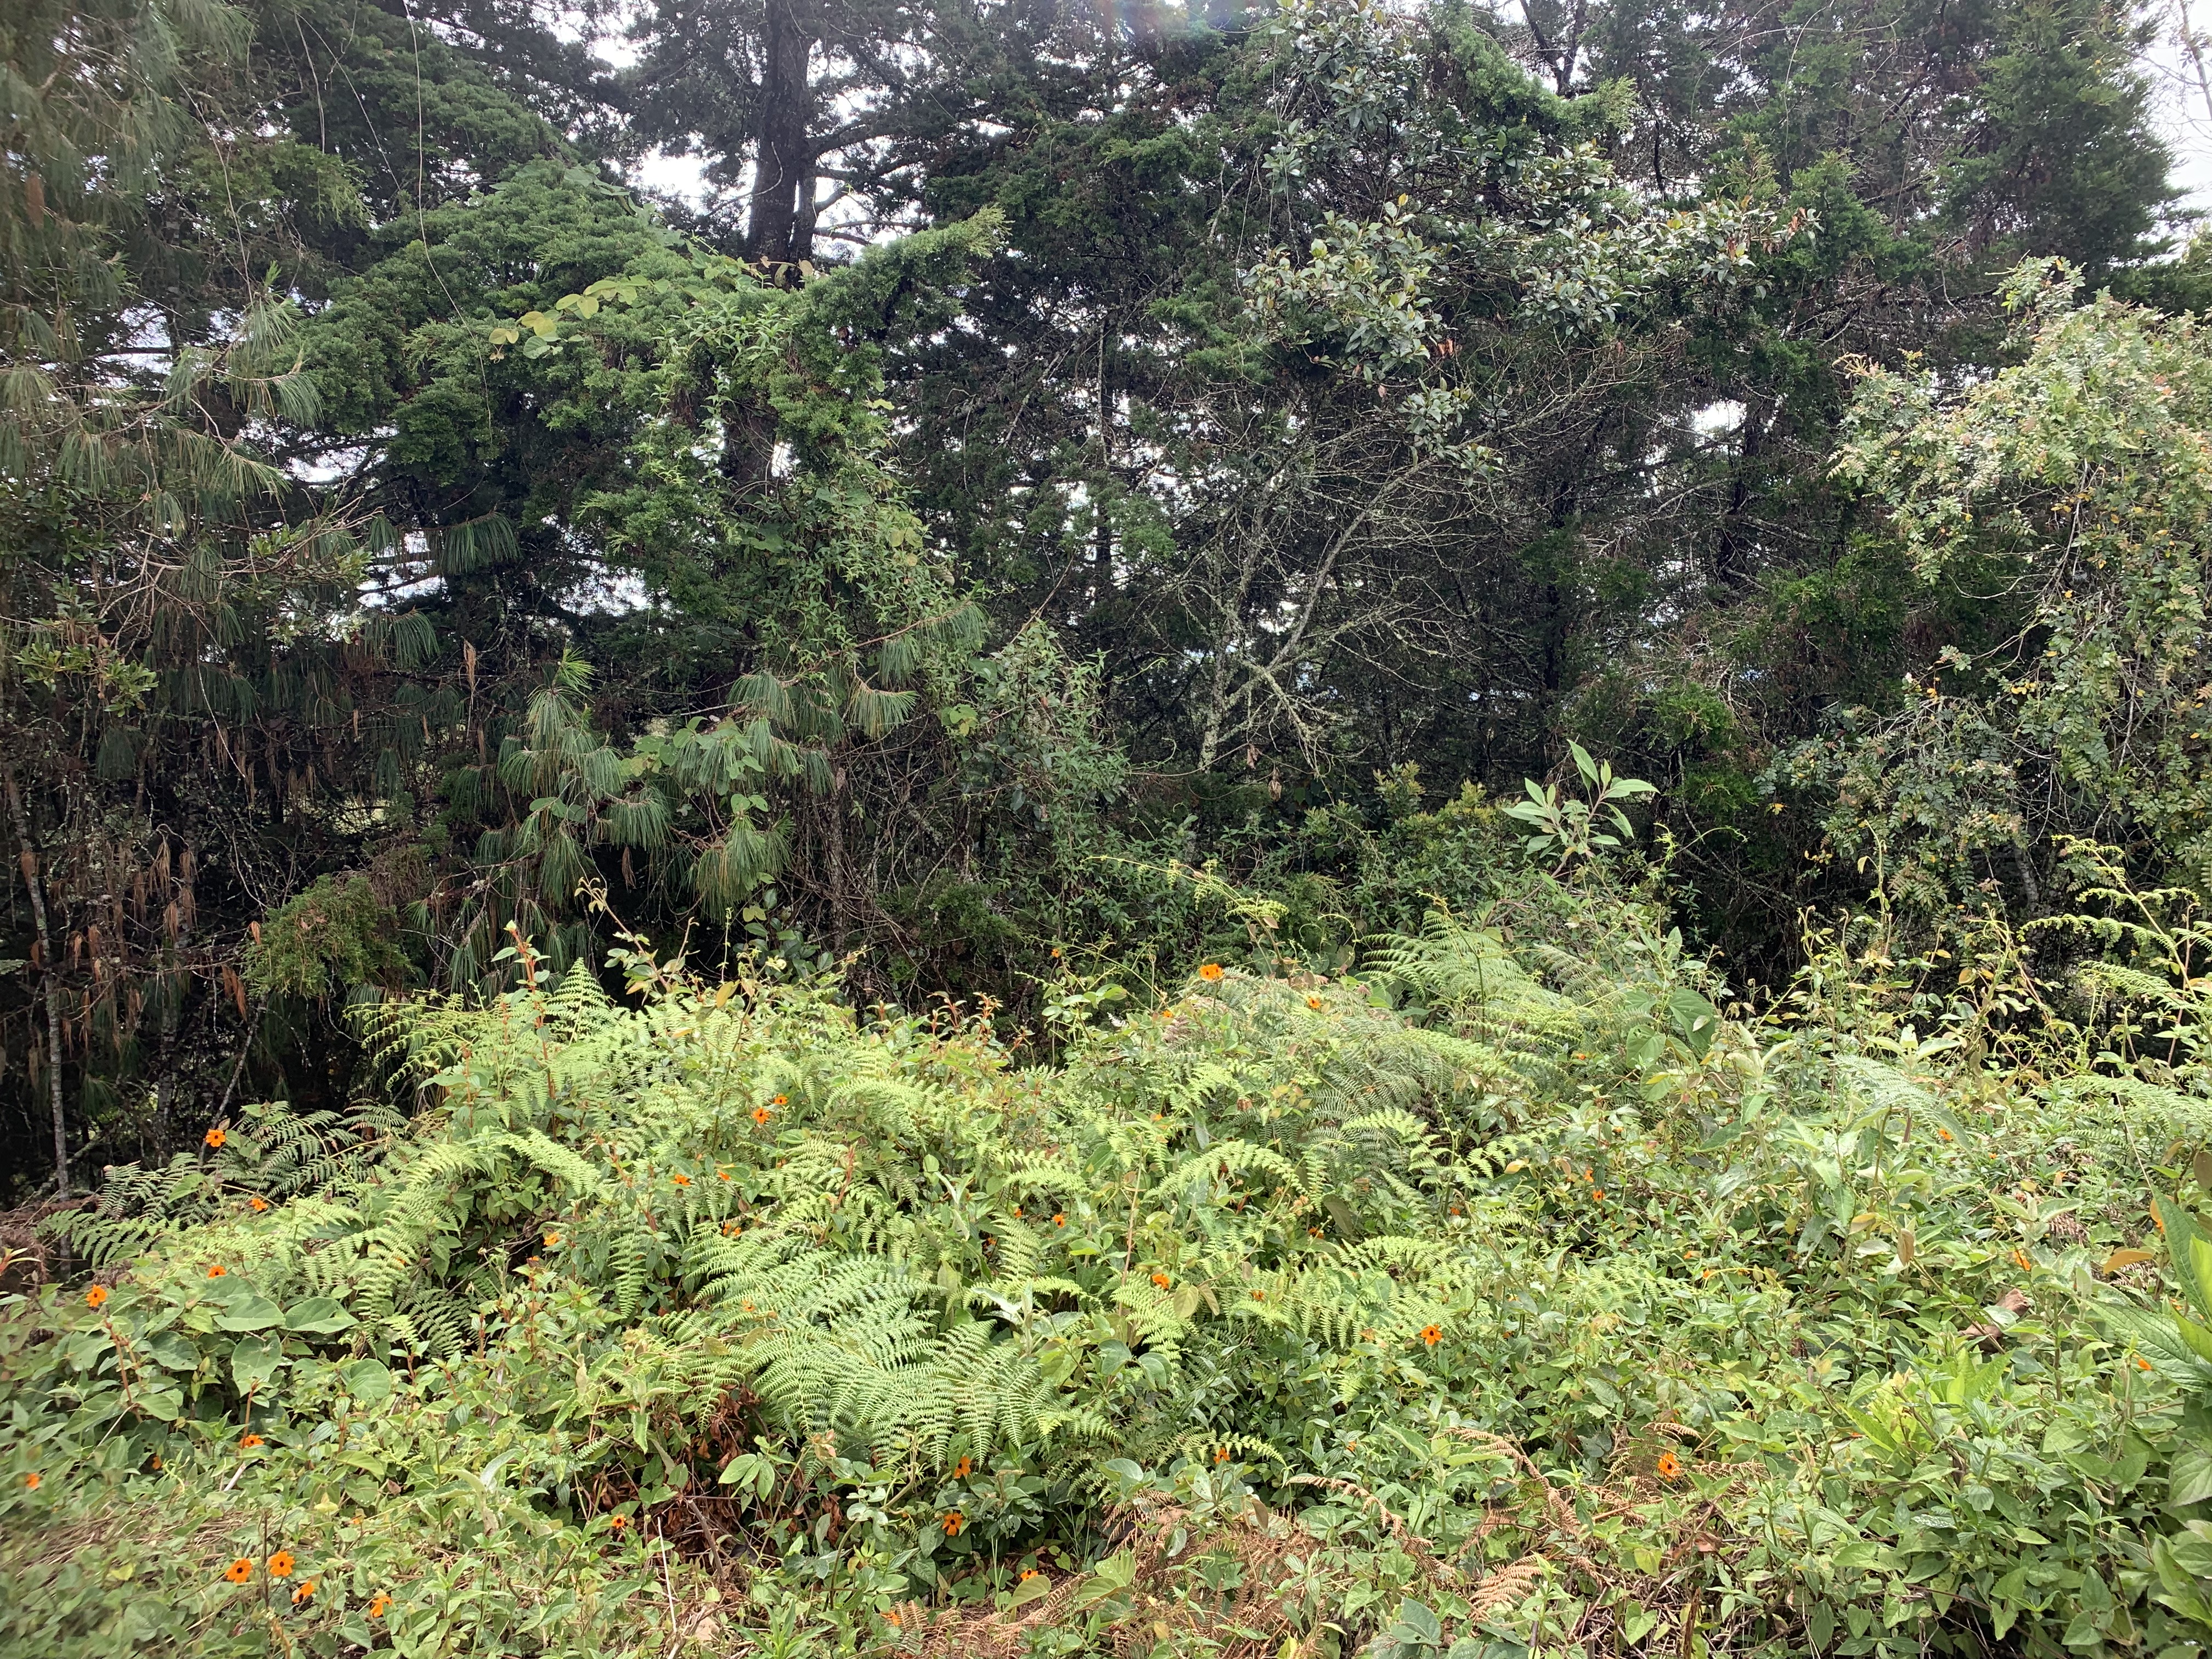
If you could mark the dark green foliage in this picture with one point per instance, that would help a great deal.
(331, 938)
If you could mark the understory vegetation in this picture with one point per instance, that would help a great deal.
(1512, 1291)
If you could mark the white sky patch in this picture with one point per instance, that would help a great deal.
(2182, 95)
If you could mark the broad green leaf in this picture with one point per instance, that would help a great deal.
(255, 1362)
(368, 1380)
(171, 1350)
(250, 1311)
(2190, 1479)
(318, 1316)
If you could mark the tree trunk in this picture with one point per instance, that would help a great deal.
(782, 162)
(29, 860)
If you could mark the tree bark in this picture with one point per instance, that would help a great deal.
(29, 859)
(783, 163)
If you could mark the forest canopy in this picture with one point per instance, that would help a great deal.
(1366, 654)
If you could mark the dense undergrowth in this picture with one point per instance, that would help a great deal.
(1505, 1295)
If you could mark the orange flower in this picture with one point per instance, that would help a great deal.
(217, 1271)
(33, 1480)
(619, 1521)
(215, 1138)
(300, 1596)
(249, 1442)
(552, 1239)
(239, 1571)
(1942, 1135)
(953, 1523)
(1598, 1193)
(1669, 1466)
(95, 1297)
(256, 1205)
(157, 1462)
(378, 1603)
(963, 1468)
(1060, 1220)
(1221, 1454)
(721, 1174)
(1313, 1002)
(1210, 971)
(682, 1180)
(1433, 1334)
(2142, 1364)
(778, 1100)
(281, 1564)
(1259, 1296)
(1029, 1573)
(761, 1114)
(1160, 1279)
(2020, 1260)
(1018, 1212)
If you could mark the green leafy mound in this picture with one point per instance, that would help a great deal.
(1508, 1298)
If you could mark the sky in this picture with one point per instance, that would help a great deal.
(2184, 121)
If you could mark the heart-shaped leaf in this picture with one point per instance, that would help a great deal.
(318, 1316)
(249, 1311)
(255, 1362)
(368, 1380)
